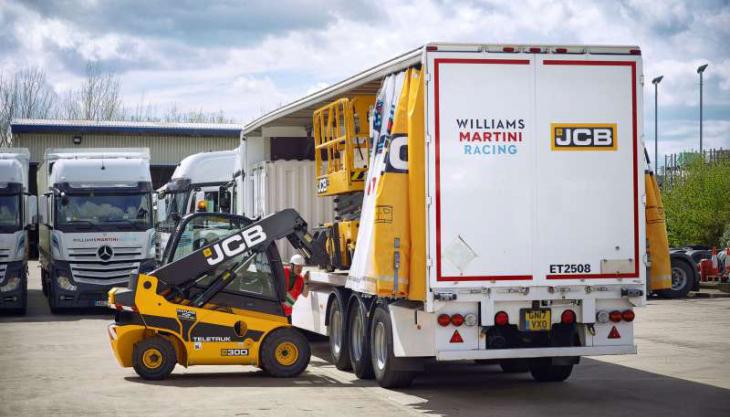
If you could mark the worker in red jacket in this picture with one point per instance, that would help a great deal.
(294, 282)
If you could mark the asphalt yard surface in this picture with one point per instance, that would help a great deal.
(62, 365)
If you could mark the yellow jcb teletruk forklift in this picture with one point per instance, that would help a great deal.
(217, 299)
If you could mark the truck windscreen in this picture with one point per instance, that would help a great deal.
(104, 211)
(176, 202)
(9, 212)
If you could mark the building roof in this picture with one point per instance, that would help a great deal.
(124, 127)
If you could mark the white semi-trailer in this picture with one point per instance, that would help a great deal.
(96, 227)
(198, 184)
(502, 211)
(17, 212)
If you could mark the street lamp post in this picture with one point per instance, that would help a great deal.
(701, 70)
(656, 82)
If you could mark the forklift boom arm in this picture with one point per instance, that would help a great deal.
(255, 237)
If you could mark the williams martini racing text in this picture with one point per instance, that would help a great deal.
(490, 136)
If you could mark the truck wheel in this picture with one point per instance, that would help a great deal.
(514, 366)
(543, 370)
(338, 336)
(358, 332)
(682, 276)
(383, 358)
(53, 302)
(284, 353)
(154, 358)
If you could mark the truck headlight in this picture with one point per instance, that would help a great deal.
(65, 283)
(11, 284)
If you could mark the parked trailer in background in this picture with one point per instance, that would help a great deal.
(198, 184)
(96, 226)
(502, 214)
(17, 212)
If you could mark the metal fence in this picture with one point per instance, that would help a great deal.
(674, 164)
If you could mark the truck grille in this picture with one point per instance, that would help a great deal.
(103, 273)
(4, 253)
(88, 267)
(3, 268)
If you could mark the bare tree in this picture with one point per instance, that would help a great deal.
(27, 94)
(97, 99)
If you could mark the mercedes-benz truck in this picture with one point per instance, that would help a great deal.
(96, 227)
(198, 184)
(17, 210)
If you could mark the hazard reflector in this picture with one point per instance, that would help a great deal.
(456, 337)
(614, 334)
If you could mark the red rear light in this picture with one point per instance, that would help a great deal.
(432, 48)
(561, 50)
(635, 52)
(615, 316)
(628, 315)
(568, 317)
(535, 50)
(444, 319)
(501, 319)
(457, 320)
(508, 49)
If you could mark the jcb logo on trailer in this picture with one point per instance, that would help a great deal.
(583, 136)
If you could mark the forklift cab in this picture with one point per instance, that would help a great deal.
(258, 281)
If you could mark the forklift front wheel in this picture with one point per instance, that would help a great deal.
(285, 353)
(154, 358)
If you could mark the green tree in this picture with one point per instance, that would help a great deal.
(697, 205)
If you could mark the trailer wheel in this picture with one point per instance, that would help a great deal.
(339, 349)
(543, 370)
(681, 280)
(358, 332)
(154, 358)
(285, 353)
(514, 366)
(383, 358)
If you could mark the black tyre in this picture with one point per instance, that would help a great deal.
(336, 330)
(285, 353)
(383, 358)
(44, 282)
(682, 280)
(514, 366)
(358, 335)
(543, 370)
(154, 358)
(53, 301)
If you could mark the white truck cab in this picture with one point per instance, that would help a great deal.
(17, 213)
(96, 227)
(198, 184)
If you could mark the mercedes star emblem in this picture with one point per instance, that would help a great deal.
(105, 253)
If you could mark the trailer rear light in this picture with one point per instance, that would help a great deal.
(501, 319)
(568, 317)
(635, 52)
(628, 315)
(457, 319)
(444, 319)
(561, 50)
(615, 316)
(432, 48)
(535, 50)
(602, 317)
(508, 49)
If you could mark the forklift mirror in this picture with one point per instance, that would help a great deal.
(240, 328)
(64, 199)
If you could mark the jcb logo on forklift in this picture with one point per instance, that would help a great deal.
(583, 136)
(234, 245)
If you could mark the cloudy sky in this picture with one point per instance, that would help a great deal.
(249, 57)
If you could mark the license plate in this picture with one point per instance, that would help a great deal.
(535, 320)
(101, 303)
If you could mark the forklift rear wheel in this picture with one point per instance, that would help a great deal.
(338, 336)
(543, 370)
(285, 353)
(358, 330)
(154, 358)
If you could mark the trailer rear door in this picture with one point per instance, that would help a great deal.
(534, 169)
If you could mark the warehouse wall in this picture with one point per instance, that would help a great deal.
(164, 150)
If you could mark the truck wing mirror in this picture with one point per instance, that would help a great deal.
(31, 210)
(43, 209)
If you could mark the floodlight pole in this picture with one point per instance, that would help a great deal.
(656, 82)
(701, 70)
